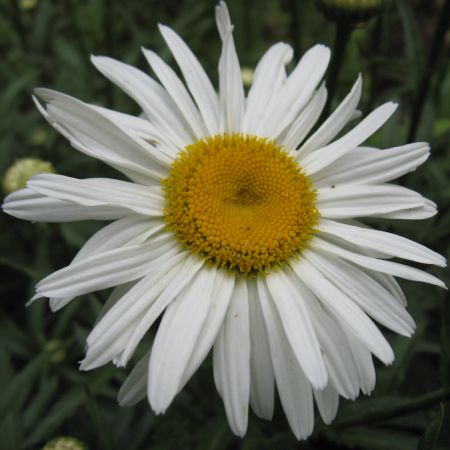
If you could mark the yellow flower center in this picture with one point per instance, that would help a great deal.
(240, 201)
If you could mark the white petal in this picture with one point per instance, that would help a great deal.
(327, 402)
(127, 231)
(364, 363)
(388, 282)
(196, 79)
(232, 360)
(365, 165)
(230, 80)
(151, 97)
(365, 292)
(134, 388)
(29, 205)
(183, 278)
(388, 243)
(146, 200)
(269, 75)
(176, 338)
(337, 120)
(298, 327)
(147, 297)
(108, 268)
(94, 133)
(303, 124)
(427, 210)
(295, 92)
(343, 202)
(178, 92)
(262, 386)
(344, 310)
(293, 386)
(326, 155)
(223, 20)
(389, 267)
(220, 299)
(337, 356)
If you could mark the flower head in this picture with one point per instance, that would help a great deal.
(236, 228)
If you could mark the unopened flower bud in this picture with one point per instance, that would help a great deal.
(22, 170)
(350, 12)
(64, 443)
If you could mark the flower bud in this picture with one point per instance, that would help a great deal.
(64, 443)
(350, 12)
(22, 170)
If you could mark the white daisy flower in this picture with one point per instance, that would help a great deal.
(238, 230)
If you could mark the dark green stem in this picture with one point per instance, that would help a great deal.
(410, 406)
(295, 27)
(16, 19)
(343, 32)
(425, 81)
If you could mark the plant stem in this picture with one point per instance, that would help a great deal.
(295, 27)
(410, 406)
(343, 32)
(427, 74)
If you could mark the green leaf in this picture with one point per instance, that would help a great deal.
(429, 438)
(61, 411)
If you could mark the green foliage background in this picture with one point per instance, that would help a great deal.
(42, 394)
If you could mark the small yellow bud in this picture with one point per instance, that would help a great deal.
(247, 75)
(22, 170)
(64, 443)
(26, 5)
(56, 350)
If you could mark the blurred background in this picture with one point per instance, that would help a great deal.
(402, 52)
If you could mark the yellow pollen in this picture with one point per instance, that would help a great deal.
(241, 202)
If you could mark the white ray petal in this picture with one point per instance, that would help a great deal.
(388, 243)
(364, 363)
(92, 132)
(176, 338)
(337, 356)
(342, 202)
(108, 268)
(365, 165)
(30, 205)
(223, 20)
(323, 157)
(178, 92)
(196, 79)
(232, 360)
(427, 210)
(344, 310)
(134, 388)
(293, 386)
(262, 385)
(303, 124)
(388, 282)
(136, 311)
(298, 327)
(295, 92)
(231, 89)
(335, 122)
(150, 96)
(127, 231)
(220, 299)
(183, 278)
(365, 292)
(269, 75)
(327, 401)
(146, 200)
(389, 267)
